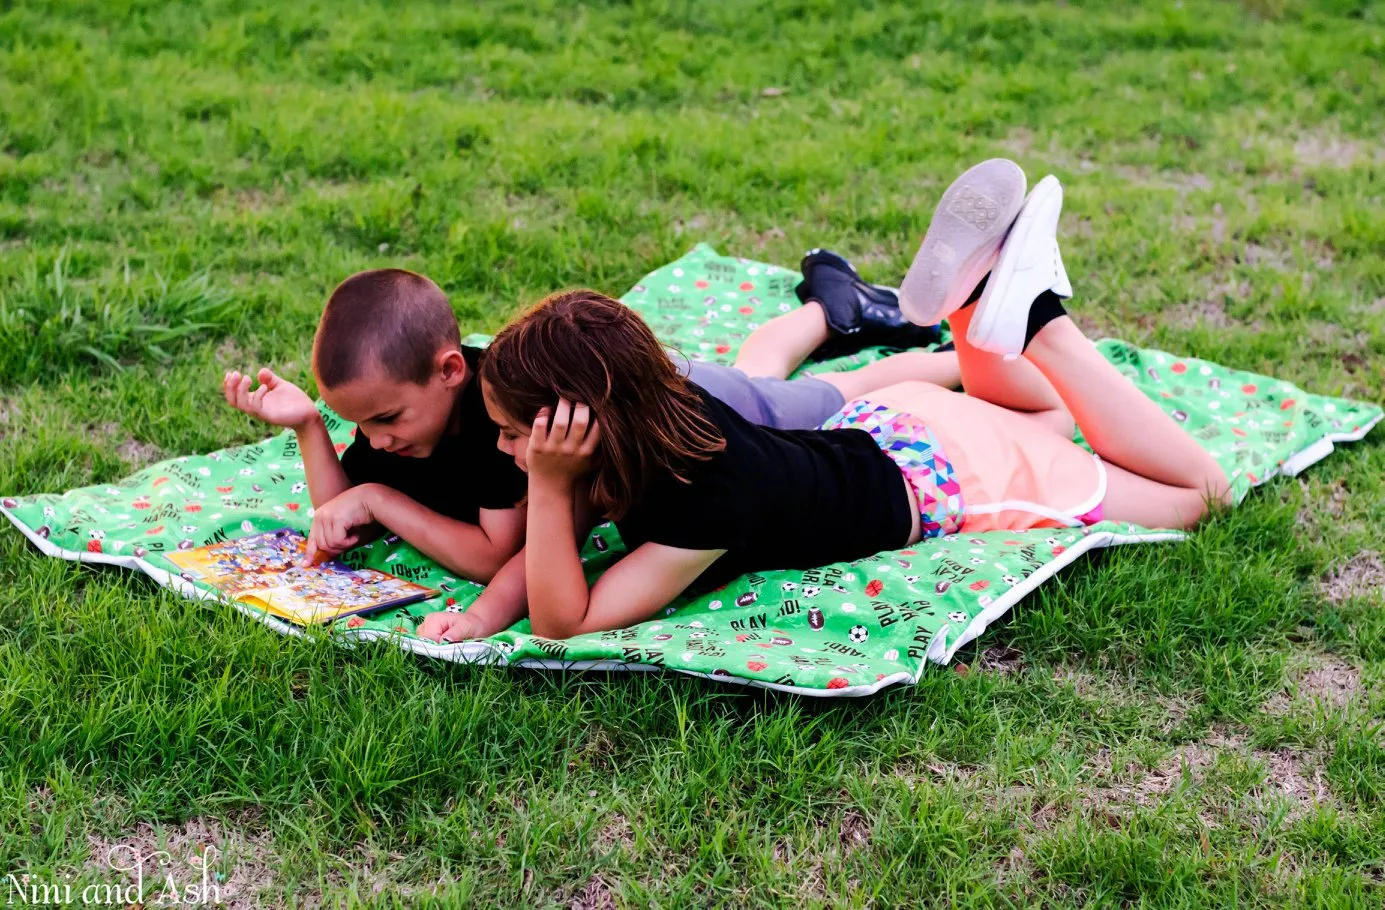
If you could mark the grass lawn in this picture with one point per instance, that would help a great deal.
(182, 184)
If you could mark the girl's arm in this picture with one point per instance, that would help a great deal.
(505, 598)
(559, 453)
(561, 605)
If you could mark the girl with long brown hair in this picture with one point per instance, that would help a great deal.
(590, 405)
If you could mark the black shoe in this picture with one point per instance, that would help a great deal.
(859, 314)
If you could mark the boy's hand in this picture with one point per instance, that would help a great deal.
(336, 524)
(562, 442)
(277, 401)
(445, 628)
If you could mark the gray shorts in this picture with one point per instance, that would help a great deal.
(784, 404)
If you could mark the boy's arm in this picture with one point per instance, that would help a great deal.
(472, 551)
(280, 403)
(326, 477)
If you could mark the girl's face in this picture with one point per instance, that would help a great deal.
(514, 437)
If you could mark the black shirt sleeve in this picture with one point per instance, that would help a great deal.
(500, 484)
(492, 476)
(776, 499)
(361, 465)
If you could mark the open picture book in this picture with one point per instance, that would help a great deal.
(266, 570)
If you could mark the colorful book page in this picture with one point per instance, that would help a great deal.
(265, 570)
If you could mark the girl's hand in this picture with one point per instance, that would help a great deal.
(277, 401)
(335, 524)
(562, 442)
(445, 628)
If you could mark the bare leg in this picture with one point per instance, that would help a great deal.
(1014, 384)
(781, 345)
(939, 368)
(1122, 425)
(1130, 497)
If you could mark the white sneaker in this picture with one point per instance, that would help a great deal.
(963, 240)
(1029, 264)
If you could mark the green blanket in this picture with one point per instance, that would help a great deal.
(845, 629)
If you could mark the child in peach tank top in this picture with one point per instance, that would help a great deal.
(1013, 472)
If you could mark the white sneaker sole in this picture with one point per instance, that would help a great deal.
(999, 305)
(962, 241)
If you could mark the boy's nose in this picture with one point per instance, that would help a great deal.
(380, 441)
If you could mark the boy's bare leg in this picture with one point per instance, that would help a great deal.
(1014, 384)
(781, 345)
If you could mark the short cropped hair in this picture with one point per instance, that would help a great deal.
(392, 318)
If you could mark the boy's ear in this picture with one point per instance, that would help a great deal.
(452, 367)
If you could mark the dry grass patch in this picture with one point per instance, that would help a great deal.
(1323, 149)
(1180, 182)
(595, 895)
(595, 751)
(371, 871)
(137, 453)
(228, 353)
(9, 412)
(1361, 576)
(1193, 224)
(616, 834)
(1103, 690)
(1002, 660)
(239, 858)
(1329, 510)
(1272, 258)
(1209, 311)
(854, 832)
(1319, 680)
(1294, 775)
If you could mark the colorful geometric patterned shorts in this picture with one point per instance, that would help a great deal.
(921, 459)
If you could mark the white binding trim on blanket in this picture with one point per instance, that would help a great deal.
(998, 607)
(1319, 450)
(161, 576)
(483, 652)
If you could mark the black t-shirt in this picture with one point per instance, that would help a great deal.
(464, 474)
(776, 499)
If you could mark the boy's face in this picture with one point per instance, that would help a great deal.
(405, 418)
(514, 438)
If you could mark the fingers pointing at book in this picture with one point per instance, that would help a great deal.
(337, 524)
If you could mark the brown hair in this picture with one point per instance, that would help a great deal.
(391, 317)
(583, 346)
